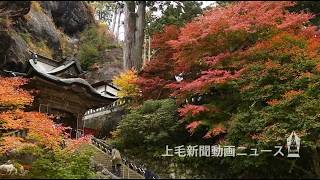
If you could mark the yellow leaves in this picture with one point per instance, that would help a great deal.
(126, 82)
(36, 6)
(115, 133)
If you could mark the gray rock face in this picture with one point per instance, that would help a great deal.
(13, 52)
(13, 49)
(108, 68)
(106, 123)
(72, 16)
(41, 25)
(14, 9)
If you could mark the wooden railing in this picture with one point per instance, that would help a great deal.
(110, 107)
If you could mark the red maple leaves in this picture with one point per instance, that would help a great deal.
(192, 110)
(217, 47)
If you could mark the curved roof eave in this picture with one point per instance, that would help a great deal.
(61, 68)
(109, 83)
(70, 81)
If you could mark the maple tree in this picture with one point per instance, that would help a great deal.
(40, 129)
(126, 82)
(250, 77)
(158, 72)
(216, 49)
(11, 95)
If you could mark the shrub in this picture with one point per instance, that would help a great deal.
(149, 129)
(63, 166)
(65, 45)
(36, 6)
(94, 40)
(39, 46)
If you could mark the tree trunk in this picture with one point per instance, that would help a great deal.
(115, 13)
(129, 26)
(139, 36)
(118, 25)
(145, 50)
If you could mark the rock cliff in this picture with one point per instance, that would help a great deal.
(52, 29)
(71, 16)
(27, 26)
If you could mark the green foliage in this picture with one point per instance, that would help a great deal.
(145, 132)
(178, 14)
(66, 47)
(309, 6)
(104, 10)
(152, 123)
(61, 165)
(224, 3)
(93, 42)
(36, 45)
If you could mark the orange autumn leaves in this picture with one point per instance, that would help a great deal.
(289, 95)
(41, 130)
(17, 143)
(11, 94)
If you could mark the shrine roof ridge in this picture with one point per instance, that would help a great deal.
(67, 81)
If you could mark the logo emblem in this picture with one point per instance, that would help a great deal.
(293, 144)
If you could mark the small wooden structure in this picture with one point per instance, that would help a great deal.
(106, 87)
(63, 93)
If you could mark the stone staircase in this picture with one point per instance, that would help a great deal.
(103, 156)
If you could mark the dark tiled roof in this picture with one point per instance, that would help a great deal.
(66, 81)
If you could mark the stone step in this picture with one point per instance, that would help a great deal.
(105, 159)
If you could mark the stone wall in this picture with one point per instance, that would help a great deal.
(105, 124)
